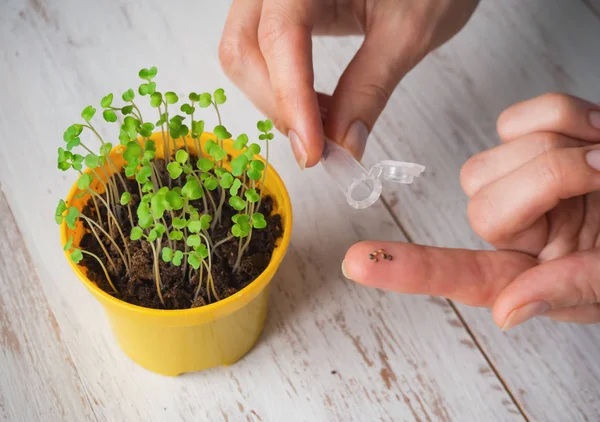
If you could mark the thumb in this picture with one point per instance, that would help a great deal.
(556, 287)
(391, 48)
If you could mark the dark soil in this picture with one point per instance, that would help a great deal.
(138, 285)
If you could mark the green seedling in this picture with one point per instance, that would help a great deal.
(177, 215)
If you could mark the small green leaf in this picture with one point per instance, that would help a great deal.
(218, 153)
(160, 229)
(226, 180)
(194, 261)
(174, 200)
(156, 99)
(187, 109)
(91, 161)
(76, 256)
(260, 125)
(194, 97)
(60, 209)
(254, 174)
(128, 95)
(239, 164)
(202, 251)
(237, 184)
(171, 97)
(221, 132)
(106, 101)
(73, 143)
(71, 217)
(136, 233)
(252, 196)
(69, 244)
(106, 148)
(84, 181)
(143, 174)
(88, 113)
(177, 258)
(167, 254)
(258, 221)
(194, 226)
(205, 100)
(210, 182)
(240, 142)
(110, 116)
(237, 203)
(175, 235)
(152, 72)
(125, 198)
(192, 189)
(193, 240)
(127, 109)
(181, 156)
(163, 119)
(257, 165)
(174, 169)
(205, 164)
(268, 125)
(252, 150)
(205, 221)
(219, 96)
(132, 151)
(197, 128)
(143, 73)
(179, 223)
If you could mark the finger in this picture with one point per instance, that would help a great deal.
(241, 58)
(488, 166)
(392, 46)
(584, 314)
(471, 277)
(565, 282)
(514, 202)
(552, 112)
(284, 35)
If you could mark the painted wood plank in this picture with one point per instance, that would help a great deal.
(444, 112)
(39, 380)
(331, 350)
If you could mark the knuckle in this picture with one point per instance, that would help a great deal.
(232, 54)
(551, 141)
(480, 217)
(270, 30)
(552, 171)
(561, 106)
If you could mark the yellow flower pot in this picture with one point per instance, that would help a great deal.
(172, 342)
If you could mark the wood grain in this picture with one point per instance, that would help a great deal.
(332, 350)
(442, 113)
(39, 380)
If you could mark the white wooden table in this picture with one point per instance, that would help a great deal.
(331, 350)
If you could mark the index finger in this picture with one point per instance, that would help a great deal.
(284, 35)
(474, 278)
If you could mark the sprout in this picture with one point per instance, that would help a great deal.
(169, 219)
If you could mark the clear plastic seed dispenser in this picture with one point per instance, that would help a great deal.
(363, 187)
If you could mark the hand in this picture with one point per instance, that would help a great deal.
(266, 50)
(536, 198)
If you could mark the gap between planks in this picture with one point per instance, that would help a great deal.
(11, 217)
(463, 321)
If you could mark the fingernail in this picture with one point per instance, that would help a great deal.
(344, 270)
(356, 138)
(593, 159)
(524, 313)
(595, 118)
(298, 148)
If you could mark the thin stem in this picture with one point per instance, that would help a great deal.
(138, 111)
(220, 242)
(264, 178)
(103, 268)
(103, 248)
(157, 273)
(210, 283)
(200, 274)
(116, 223)
(90, 222)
